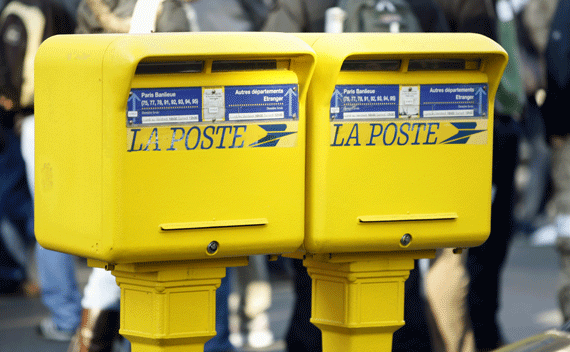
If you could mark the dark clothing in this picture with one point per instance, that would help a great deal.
(298, 16)
(257, 12)
(558, 68)
(15, 206)
(15, 198)
(303, 336)
(70, 6)
(484, 263)
(430, 15)
(414, 336)
(309, 16)
(470, 16)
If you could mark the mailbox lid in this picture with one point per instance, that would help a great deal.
(377, 172)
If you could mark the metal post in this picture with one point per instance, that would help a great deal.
(358, 299)
(170, 306)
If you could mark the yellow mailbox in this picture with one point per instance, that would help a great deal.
(171, 146)
(399, 147)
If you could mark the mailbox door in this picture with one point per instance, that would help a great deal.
(400, 143)
(171, 146)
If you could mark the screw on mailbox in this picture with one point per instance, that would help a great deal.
(212, 247)
(406, 239)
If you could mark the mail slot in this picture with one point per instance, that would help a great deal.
(171, 146)
(399, 141)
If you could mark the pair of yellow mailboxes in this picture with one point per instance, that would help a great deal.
(185, 146)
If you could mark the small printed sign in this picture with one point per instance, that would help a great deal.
(246, 103)
(351, 102)
(164, 106)
(171, 106)
(454, 100)
(374, 102)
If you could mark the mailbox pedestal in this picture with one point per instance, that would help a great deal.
(170, 306)
(358, 299)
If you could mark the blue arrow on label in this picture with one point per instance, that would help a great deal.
(480, 92)
(336, 96)
(290, 94)
(134, 98)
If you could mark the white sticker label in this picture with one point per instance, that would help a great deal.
(409, 101)
(213, 104)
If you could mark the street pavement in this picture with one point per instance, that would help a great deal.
(528, 303)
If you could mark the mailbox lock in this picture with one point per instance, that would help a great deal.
(212, 247)
(405, 240)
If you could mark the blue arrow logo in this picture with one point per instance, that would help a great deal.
(480, 93)
(134, 98)
(274, 134)
(290, 94)
(464, 131)
(336, 95)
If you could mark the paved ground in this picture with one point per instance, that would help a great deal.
(528, 303)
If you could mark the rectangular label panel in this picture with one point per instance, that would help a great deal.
(262, 102)
(164, 106)
(454, 100)
(377, 102)
(188, 105)
(364, 102)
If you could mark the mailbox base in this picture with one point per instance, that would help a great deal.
(358, 299)
(170, 306)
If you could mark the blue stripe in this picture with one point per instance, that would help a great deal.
(464, 125)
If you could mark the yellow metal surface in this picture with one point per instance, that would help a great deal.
(121, 192)
(358, 302)
(170, 307)
(371, 180)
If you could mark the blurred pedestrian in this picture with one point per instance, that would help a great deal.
(16, 207)
(24, 25)
(251, 299)
(468, 307)
(558, 134)
(531, 210)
